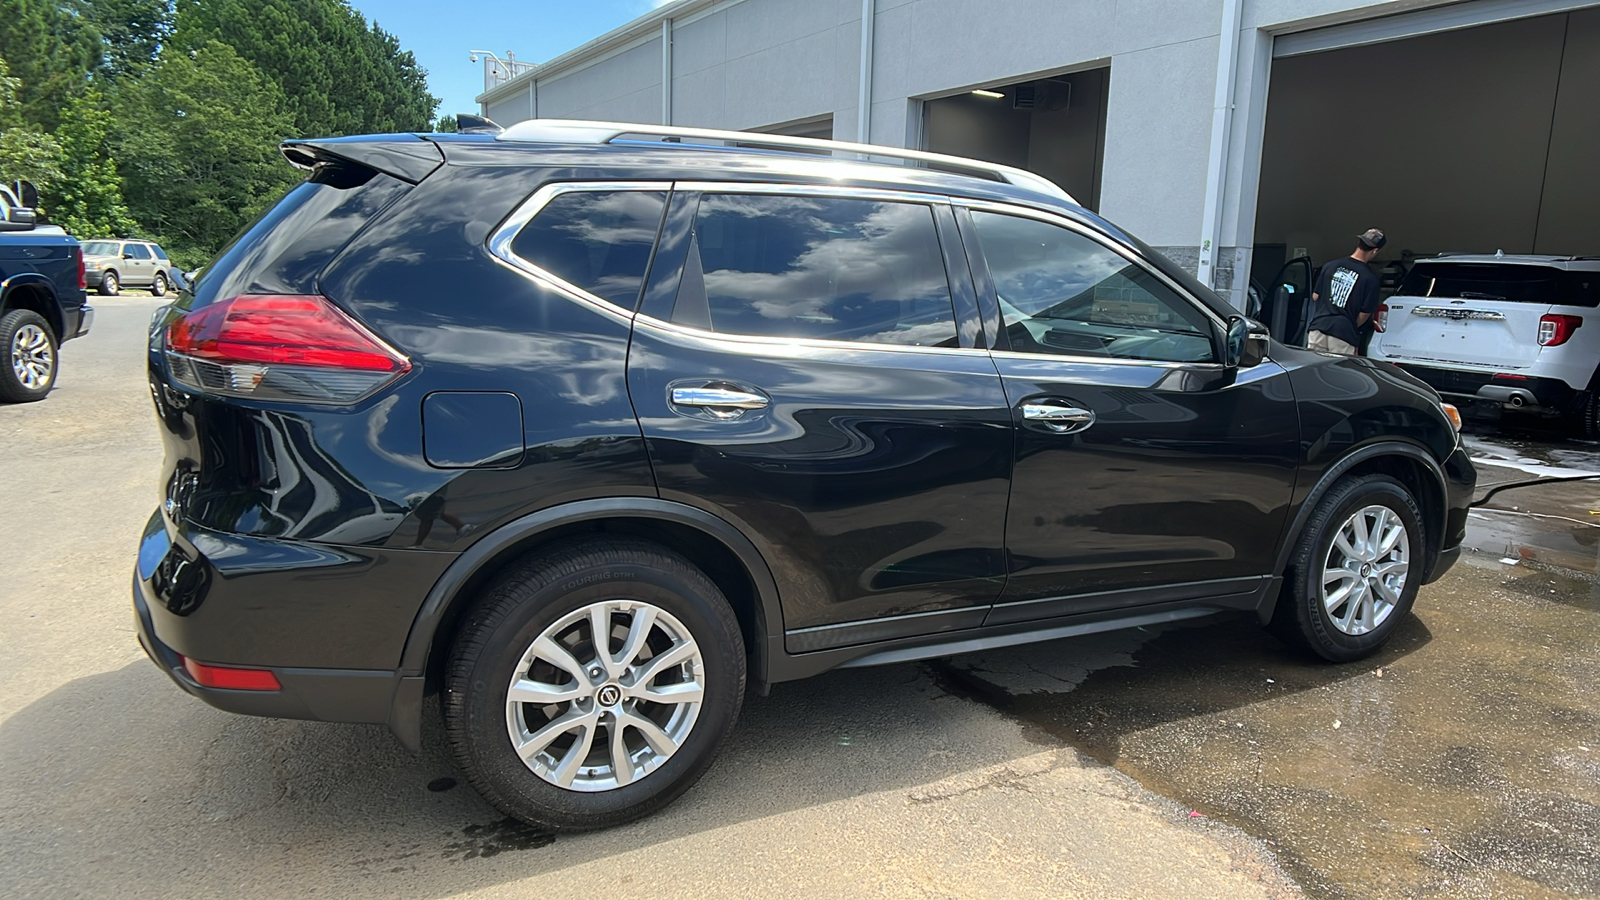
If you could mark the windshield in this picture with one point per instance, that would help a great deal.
(1503, 281)
(100, 248)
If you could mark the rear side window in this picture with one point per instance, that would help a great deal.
(824, 268)
(160, 254)
(1503, 281)
(599, 241)
(138, 251)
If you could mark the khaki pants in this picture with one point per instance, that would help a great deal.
(1316, 340)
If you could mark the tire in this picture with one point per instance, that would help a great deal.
(532, 623)
(158, 285)
(1586, 416)
(109, 284)
(1352, 628)
(32, 357)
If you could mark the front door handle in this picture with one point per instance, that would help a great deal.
(1057, 416)
(721, 403)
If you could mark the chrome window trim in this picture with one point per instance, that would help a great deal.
(840, 191)
(500, 240)
(758, 340)
(1072, 224)
(1108, 360)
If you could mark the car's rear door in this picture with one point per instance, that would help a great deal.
(806, 366)
(1146, 472)
(139, 268)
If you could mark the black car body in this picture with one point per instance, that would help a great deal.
(42, 300)
(565, 365)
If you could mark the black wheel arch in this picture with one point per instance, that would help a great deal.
(1411, 464)
(32, 291)
(720, 549)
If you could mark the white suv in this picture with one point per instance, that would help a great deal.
(1519, 331)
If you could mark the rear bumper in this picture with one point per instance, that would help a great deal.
(1533, 393)
(311, 614)
(77, 322)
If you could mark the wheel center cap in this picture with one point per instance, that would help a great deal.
(1366, 569)
(609, 695)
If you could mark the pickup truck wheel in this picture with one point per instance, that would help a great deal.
(32, 359)
(1355, 570)
(158, 286)
(109, 284)
(593, 684)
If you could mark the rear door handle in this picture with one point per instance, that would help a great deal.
(1058, 416)
(721, 403)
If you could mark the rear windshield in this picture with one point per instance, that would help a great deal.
(1503, 281)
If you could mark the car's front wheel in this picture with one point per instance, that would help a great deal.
(158, 286)
(1355, 570)
(593, 684)
(109, 284)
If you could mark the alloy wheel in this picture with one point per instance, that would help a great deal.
(1365, 572)
(32, 358)
(605, 695)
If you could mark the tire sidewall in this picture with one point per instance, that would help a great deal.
(11, 387)
(516, 788)
(158, 285)
(110, 284)
(1326, 638)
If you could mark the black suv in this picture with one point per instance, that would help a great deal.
(588, 428)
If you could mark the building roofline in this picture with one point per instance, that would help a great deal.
(646, 26)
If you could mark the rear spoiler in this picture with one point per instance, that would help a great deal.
(404, 156)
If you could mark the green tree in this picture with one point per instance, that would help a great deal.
(339, 75)
(88, 200)
(198, 145)
(52, 47)
(133, 31)
(25, 151)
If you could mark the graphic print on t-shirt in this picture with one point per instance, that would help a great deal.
(1344, 281)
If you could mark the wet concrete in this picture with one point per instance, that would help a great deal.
(1463, 761)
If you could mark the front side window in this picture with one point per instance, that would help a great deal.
(822, 268)
(1062, 293)
(138, 251)
(599, 241)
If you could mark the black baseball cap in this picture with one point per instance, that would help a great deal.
(1372, 239)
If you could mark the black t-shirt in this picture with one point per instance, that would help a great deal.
(1345, 289)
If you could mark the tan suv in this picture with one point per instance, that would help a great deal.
(110, 265)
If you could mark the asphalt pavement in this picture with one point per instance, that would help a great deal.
(1198, 761)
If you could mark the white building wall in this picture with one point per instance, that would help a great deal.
(754, 63)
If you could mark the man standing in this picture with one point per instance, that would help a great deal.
(1346, 296)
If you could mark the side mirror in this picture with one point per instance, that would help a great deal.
(1247, 342)
(127, 256)
(17, 218)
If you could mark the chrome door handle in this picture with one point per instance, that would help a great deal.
(1057, 418)
(723, 403)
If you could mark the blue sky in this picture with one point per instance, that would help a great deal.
(441, 33)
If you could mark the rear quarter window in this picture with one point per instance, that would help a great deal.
(597, 241)
(1503, 281)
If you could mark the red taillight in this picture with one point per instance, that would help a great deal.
(83, 277)
(231, 678)
(1381, 320)
(271, 346)
(1556, 330)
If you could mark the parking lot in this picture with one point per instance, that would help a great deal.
(1198, 761)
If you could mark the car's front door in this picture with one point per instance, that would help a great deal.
(804, 367)
(139, 268)
(1146, 471)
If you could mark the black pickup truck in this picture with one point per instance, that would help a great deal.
(41, 296)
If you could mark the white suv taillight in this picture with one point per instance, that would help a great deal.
(276, 347)
(1556, 330)
(1381, 320)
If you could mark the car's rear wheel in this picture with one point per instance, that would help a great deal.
(593, 684)
(32, 359)
(158, 286)
(1355, 570)
(109, 284)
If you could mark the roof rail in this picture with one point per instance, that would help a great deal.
(575, 131)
